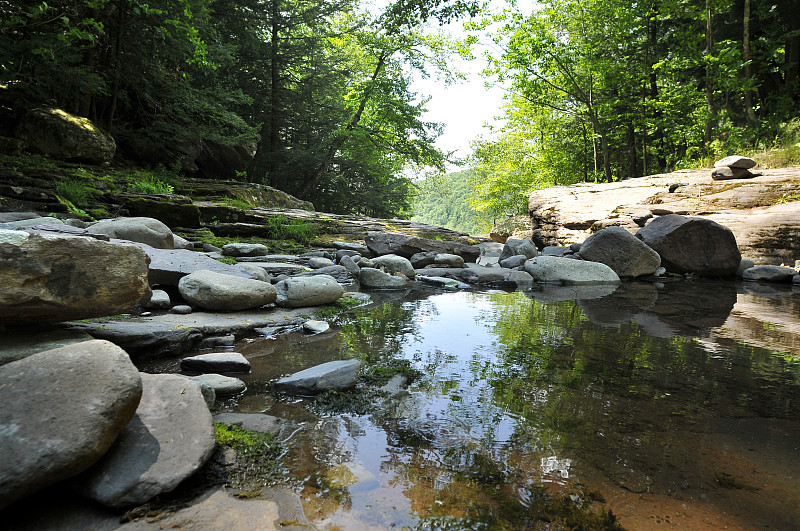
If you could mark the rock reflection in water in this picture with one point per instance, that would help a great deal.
(639, 395)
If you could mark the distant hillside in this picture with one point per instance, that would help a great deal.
(444, 200)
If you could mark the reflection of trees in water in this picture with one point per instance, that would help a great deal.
(611, 393)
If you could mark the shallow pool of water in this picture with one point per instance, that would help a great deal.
(674, 405)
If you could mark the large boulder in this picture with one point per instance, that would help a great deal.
(51, 278)
(620, 250)
(217, 291)
(371, 278)
(149, 231)
(62, 410)
(316, 290)
(692, 245)
(331, 376)
(169, 266)
(65, 136)
(391, 263)
(569, 271)
(169, 439)
(381, 243)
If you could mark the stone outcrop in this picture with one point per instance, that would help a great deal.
(617, 248)
(46, 435)
(764, 222)
(372, 278)
(51, 278)
(217, 291)
(169, 438)
(692, 245)
(65, 136)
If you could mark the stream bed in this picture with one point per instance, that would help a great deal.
(673, 405)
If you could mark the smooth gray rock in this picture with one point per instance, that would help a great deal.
(169, 439)
(513, 261)
(217, 341)
(769, 273)
(620, 250)
(316, 327)
(61, 411)
(181, 309)
(448, 260)
(692, 245)
(280, 268)
(725, 173)
(299, 292)
(371, 278)
(442, 282)
(365, 262)
(520, 278)
(348, 263)
(317, 262)
(391, 263)
(736, 161)
(52, 277)
(339, 273)
(206, 389)
(254, 422)
(744, 265)
(159, 300)
(567, 271)
(259, 273)
(179, 242)
(216, 291)
(485, 275)
(331, 376)
(18, 344)
(222, 385)
(31, 222)
(424, 259)
(216, 362)
(516, 246)
(169, 266)
(446, 272)
(360, 248)
(244, 249)
(555, 250)
(341, 253)
(142, 230)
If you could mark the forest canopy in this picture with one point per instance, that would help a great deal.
(320, 91)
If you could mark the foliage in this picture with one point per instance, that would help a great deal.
(329, 311)
(444, 200)
(280, 227)
(600, 91)
(77, 191)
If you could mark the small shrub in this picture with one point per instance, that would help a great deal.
(74, 191)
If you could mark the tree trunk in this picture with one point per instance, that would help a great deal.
(709, 80)
(748, 66)
(274, 119)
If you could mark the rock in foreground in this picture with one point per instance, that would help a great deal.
(170, 437)
(217, 291)
(51, 278)
(61, 411)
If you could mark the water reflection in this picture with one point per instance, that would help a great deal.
(646, 396)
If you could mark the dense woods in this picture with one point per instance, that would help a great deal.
(319, 91)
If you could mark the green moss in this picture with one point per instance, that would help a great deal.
(329, 311)
(228, 260)
(256, 456)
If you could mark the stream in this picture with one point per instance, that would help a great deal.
(672, 404)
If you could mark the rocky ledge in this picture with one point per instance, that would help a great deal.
(762, 209)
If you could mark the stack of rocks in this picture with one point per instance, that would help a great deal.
(733, 167)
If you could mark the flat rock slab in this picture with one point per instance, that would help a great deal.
(61, 411)
(222, 385)
(18, 344)
(216, 362)
(169, 266)
(280, 268)
(769, 273)
(316, 327)
(169, 439)
(144, 337)
(334, 375)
